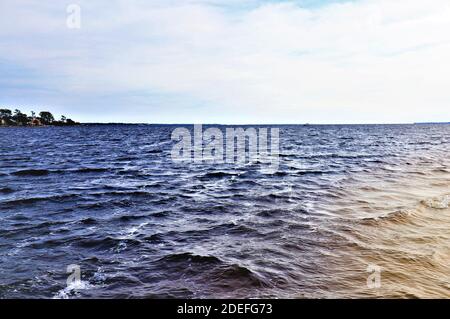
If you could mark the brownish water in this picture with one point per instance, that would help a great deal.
(398, 220)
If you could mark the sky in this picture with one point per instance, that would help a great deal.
(228, 62)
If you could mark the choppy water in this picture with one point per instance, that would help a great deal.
(109, 199)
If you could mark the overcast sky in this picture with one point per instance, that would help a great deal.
(212, 61)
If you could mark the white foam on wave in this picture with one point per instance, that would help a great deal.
(130, 232)
(72, 288)
(441, 202)
(97, 280)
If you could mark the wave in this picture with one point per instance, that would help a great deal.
(132, 193)
(127, 218)
(440, 202)
(398, 217)
(107, 242)
(18, 230)
(89, 221)
(45, 172)
(91, 170)
(71, 289)
(217, 175)
(6, 190)
(234, 229)
(218, 272)
(31, 172)
(441, 170)
(406, 215)
(313, 172)
(155, 238)
(126, 158)
(33, 200)
(190, 258)
(271, 213)
(161, 214)
(239, 276)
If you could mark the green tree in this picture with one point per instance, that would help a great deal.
(20, 118)
(46, 117)
(5, 114)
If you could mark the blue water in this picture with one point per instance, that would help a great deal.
(109, 199)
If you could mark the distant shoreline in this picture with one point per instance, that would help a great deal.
(263, 124)
(215, 124)
(9, 118)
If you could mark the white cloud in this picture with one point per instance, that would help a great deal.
(361, 61)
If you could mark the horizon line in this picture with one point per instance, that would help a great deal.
(256, 124)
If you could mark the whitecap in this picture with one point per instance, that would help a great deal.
(72, 288)
(441, 202)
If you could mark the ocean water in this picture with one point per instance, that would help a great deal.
(346, 200)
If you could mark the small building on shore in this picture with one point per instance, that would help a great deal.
(35, 122)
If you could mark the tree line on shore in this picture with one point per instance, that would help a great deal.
(17, 118)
